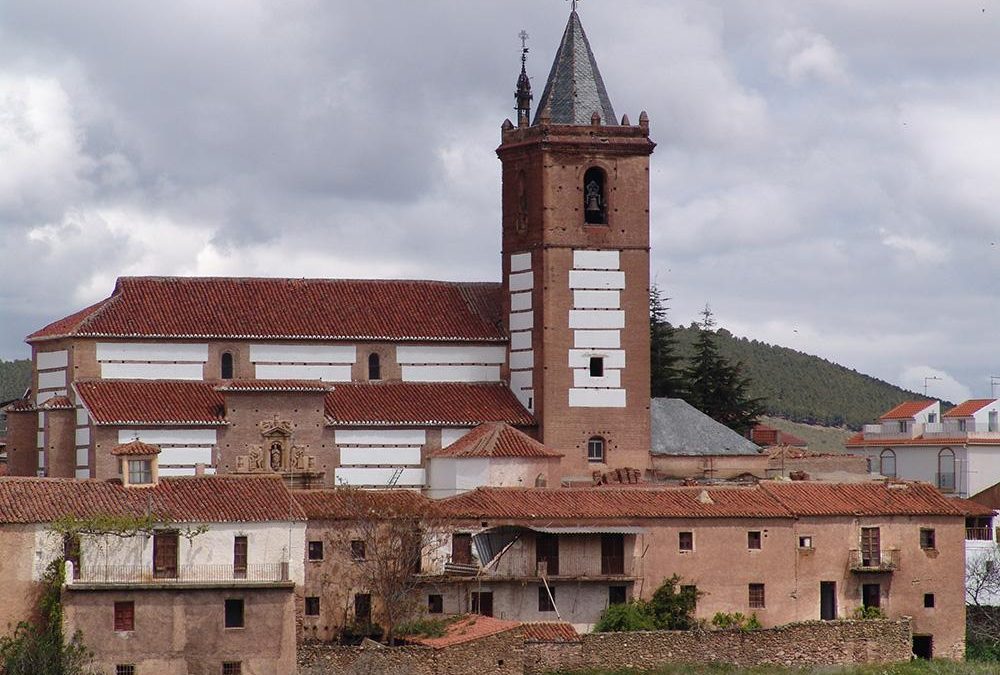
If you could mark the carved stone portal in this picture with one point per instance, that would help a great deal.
(276, 453)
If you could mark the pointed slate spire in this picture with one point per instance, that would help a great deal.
(575, 90)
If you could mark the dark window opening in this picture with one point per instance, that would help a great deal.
(871, 595)
(547, 552)
(312, 606)
(597, 366)
(363, 608)
(928, 600)
(923, 646)
(927, 538)
(685, 541)
(315, 550)
(125, 669)
(612, 554)
(374, 367)
(125, 616)
(756, 592)
(753, 539)
(234, 613)
(226, 366)
(358, 551)
(617, 595)
(482, 603)
(71, 552)
(240, 552)
(595, 449)
(232, 668)
(827, 600)
(435, 603)
(546, 597)
(595, 207)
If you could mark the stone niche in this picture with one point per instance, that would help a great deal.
(277, 452)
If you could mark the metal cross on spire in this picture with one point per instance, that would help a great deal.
(573, 4)
(524, 39)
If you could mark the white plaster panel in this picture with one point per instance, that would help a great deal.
(52, 379)
(450, 355)
(168, 436)
(303, 353)
(451, 373)
(600, 339)
(596, 318)
(522, 360)
(170, 471)
(520, 302)
(522, 281)
(449, 436)
(380, 436)
(47, 360)
(596, 260)
(521, 379)
(83, 436)
(266, 371)
(520, 262)
(82, 418)
(522, 321)
(143, 351)
(186, 456)
(44, 396)
(525, 396)
(82, 474)
(597, 398)
(382, 455)
(611, 379)
(378, 477)
(41, 420)
(152, 371)
(41, 439)
(613, 358)
(597, 299)
(41, 459)
(82, 456)
(596, 280)
(520, 340)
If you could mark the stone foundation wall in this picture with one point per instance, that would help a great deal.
(802, 644)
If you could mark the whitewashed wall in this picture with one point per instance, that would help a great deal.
(597, 319)
(51, 368)
(436, 363)
(152, 361)
(330, 363)
(521, 320)
(181, 449)
(371, 457)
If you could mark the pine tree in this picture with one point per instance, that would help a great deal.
(718, 388)
(666, 377)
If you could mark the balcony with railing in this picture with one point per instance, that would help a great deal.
(521, 563)
(884, 560)
(979, 534)
(256, 574)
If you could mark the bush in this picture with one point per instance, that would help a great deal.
(668, 609)
(735, 621)
(630, 616)
(425, 627)
(869, 613)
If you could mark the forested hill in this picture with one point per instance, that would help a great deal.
(15, 377)
(805, 388)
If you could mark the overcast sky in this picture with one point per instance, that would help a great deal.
(827, 176)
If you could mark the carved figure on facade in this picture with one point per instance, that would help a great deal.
(276, 454)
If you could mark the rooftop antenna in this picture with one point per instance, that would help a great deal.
(926, 380)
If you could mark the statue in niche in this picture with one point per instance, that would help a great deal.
(276, 456)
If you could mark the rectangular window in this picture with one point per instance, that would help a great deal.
(363, 608)
(617, 595)
(234, 613)
(871, 547)
(315, 550)
(806, 541)
(312, 606)
(140, 471)
(756, 596)
(597, 366)
(240, 557)
(124, 616)
(871, 595)
(232, 668)
(927, 538)
(685, 541)
(928, 600)
(961, 425)
(545, 603)
(902, 426)
(358, 549)
(435, 603)
(753, 539)
(125, 669)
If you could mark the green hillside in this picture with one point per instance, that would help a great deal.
(15, 377)
(802, 387)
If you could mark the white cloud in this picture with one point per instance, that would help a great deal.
(803, 55)
(939, 383)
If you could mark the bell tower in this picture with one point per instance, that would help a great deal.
(576, 265)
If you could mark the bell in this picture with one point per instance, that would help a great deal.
(593, 204)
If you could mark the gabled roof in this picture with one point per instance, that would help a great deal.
(418, 403)
(212, 499)
(681, 429)
(907, 409)
(858, 440)
(575, 89)
(881, 498)
(57, 403)
(969, 408)
(166, 402)
(250, 308)
(135, 448)
(466, 629)
(496, 439)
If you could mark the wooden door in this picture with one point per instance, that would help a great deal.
(165, 550)
(871, 546)
(461, 548)
(240, 552)
(612, 554)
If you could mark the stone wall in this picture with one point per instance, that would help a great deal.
(802, 644)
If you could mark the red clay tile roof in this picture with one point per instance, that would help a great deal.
(343, 503)
(467, 629)
(21, 405)
(417, 403)
(57, 403)
(906, 410)
(246, 308)
(122, 402)
(969, 408)
(135, 448)
(859, 441)
(191, 500)
(549, 631)
(764, 436)
(254, 386)
(496, 439)
(769, 499)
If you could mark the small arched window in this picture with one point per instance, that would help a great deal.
(946, 470)
(595, 449)
(595, 197)
(887, 463)
(374, 367)
(227, 366)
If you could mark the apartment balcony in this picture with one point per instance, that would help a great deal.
(979, 534)
(184, 576)
(885, 560)
(568, 567)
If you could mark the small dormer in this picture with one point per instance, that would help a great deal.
(139, 463)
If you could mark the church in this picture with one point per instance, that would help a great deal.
(375, 383)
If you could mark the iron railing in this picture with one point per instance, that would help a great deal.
(979, 533)
(884, 560)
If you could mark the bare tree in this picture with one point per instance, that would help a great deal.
(982, 594)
